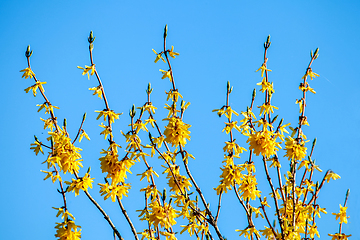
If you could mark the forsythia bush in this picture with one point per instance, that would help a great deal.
(295, 209)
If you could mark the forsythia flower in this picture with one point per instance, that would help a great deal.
(294, 150)
(230, 126)
(173, 94)
(172, 53)
(248, 232)
(339, 236)
(107, 130)
(67, 230)
(228, 112)
(149, 107)
(341, 215)
(176, 131)
(80, 184)
(266, 86)
(48, 107)
(311, 74)
(163, 215)
(158, 57)
(34, 87)
(148, 173)
(231, 174)
(306, 88)
(65, 154)
(48, 123)
(331, 175)
(183, 181)
(110, 114)
(266, 108)
(88, 69)
(119, 190)
(248, 188)
(28, 73)
(97, 90)
(83, 134)
(263, 69)
(36, 147)
(166, 74)
(232, 147)
(51, 175)
(263, 143)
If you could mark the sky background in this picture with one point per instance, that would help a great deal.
(218, 41)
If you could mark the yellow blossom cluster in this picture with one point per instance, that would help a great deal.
(263, 142)
(177, 182)
(176, 131)
(80, 184)
(294, 150)
(65, 154)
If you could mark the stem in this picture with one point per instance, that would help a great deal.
(127, 218)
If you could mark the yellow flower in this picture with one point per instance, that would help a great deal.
(301, 104)
(36, 147)
(176, 131)
(172, 109)
(34, 87)
(158, 57)
(230, 126)
(230, 174)
(64, 214)
(172, 53)
(88, 69)
(163, 215)
(107, 131)
(184, 182)
(67, 230)
(306, 88)
(97, 90)
(140, 125)
(232, 147)
(110, 114)
(148, 173)
(80, 184)
(266, 86)
(313, 230)
(228, 112)
(268, 233)
(168, 235)
(28, 73)
(48, 107)
(341, 215)
(311, 74)
(266, 108)
(248, 232)
(51, 175)
(331, 175)
(112, 191)
(65, 154)
(83, 134)
(263, 69)
(294, 150)
(150, 190)
(166, 74)
(159, 141)
(248, 188)
(339, 236)
(263, 143)
(220, 111)
(174, 95)
(149, 107)
(48, 123)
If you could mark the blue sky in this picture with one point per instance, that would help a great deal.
(218, 41)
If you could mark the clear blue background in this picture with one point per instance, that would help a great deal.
(217, 41)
